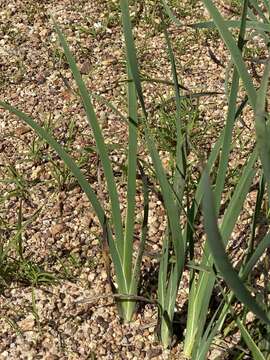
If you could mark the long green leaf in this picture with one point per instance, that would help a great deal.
(262, 126)
(168, 197)
(129, 306)
(226, 146)
(256, 25)
(255, 351)
(220, 257)
(131, 185)
(234, 51)
(131, 51)
(180, 168)
(201, 291)
(138, 261)
(70, 163)
(102, 150)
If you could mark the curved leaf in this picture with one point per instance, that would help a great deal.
(220, 257)
(234, 51)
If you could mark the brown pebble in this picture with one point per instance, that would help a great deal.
(57, 228)
(152, 353)
(21, 130)
(27, 324)
(86, 67)
(103, 323)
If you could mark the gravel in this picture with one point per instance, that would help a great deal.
(52, 321)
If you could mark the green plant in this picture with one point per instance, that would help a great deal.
(121, 246)
(182, 207)
(201, 290)
(164, 127)
(218, 238)
(14, 267)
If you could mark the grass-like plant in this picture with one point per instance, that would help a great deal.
(119, 238)
(178, 242)
(214, 250)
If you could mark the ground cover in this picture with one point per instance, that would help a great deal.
(56, 300)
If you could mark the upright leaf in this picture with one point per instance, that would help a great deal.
(220, 257)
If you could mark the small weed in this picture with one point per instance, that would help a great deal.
(34, 275)
(68, 264)
(24, 272)
(13, 325)
(18, 184)
(14, 267)
(165, 128)
(38, 148)
(61, 174)
(235, 5)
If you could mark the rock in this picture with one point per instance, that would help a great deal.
(103, 275)
(27, 324)
(86, 67)
(153, 353)
(57, 228)
(103, 323)
(21, 130)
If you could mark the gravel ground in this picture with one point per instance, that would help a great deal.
(62, 237)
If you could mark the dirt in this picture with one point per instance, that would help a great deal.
(50, 320)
